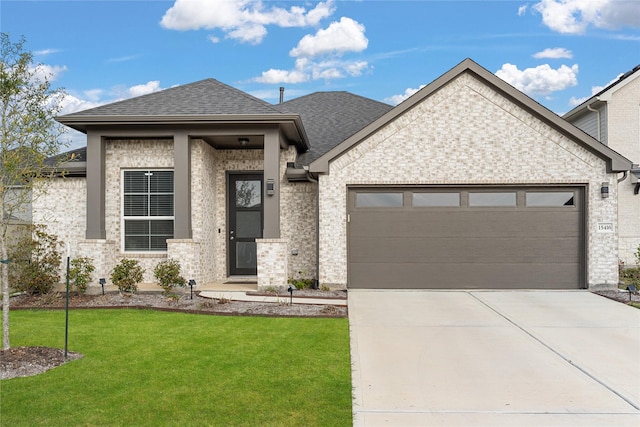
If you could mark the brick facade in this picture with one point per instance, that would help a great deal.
(204, 256)
(466, 133)
(623, 124)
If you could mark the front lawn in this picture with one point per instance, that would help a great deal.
(143, 367)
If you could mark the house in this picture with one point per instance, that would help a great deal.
(612, 116)
(467, 184)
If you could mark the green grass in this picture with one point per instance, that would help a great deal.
(142, 367)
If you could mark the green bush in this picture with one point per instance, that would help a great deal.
(80, 273)
(167, 274)
(126, 275)
(631, 276)
(35, 261)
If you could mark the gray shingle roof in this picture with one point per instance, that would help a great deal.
(331, 117)
(205, 97)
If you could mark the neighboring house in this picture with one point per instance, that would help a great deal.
(612, 116)
(467, 184)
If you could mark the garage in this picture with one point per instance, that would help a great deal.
(466, 237)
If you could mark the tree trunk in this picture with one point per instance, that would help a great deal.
(5, 293)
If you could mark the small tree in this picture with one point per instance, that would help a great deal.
(80, 273)
(29, 135)
(35, 261)
(126, 275)
(167, 274)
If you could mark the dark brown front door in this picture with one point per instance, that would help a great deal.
(245, 222)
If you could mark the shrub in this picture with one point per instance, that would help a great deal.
(302, 281)
(126, 275)
(80, 273)
(631, 276)
(167, 274)
(35, 261)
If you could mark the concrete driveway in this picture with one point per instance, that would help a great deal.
(493, 358)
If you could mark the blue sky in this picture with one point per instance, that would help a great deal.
(557, 51)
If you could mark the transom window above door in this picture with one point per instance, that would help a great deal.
(147, 210)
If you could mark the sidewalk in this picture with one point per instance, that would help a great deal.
(242, 296)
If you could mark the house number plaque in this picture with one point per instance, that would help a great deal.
(605, 227)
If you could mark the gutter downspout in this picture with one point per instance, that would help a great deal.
(623, 177)
(598, 117)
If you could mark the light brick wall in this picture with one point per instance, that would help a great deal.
(272, 257)
(61, 205)
(204, 257)
(298, 216)
(466, 133)
(203, 204)
(131, 154)
(623, 116)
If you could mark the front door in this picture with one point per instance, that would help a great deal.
(245, 222)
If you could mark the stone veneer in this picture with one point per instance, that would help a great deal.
(272, 263)
(465, 134)
(204, 256)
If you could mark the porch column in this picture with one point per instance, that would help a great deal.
(96, 148)
(182, 185)
(271, 179)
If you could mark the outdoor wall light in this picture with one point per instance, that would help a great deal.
(102, 282)
(243, 141)
(604, 190)
(192, 283)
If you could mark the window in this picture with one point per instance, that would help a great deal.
(436, 200)
(147, 209)
(379, 200)
(550, 199)
(492, 199)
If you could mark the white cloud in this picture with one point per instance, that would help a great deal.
(144, 89)
(45, 52)
(92, 98)
(522, 9)
(575, 16)
(71, 104)
(331, 44)
(274, 76)
(306, 69)
(123, 58)
(50, 73)
(574, 102)
(243, 20)
(345, 35)
(541, 80)
(554, 53)
(397, 99)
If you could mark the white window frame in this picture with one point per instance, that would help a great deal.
(124, 218)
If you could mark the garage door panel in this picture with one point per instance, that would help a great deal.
(440, 249)
(469, 247)
(467, 275)
(467, 223)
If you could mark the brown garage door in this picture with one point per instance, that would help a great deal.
(475, 238)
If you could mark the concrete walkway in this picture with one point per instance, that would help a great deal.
(493, 358)
(242, 296)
